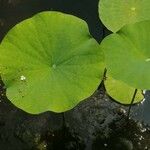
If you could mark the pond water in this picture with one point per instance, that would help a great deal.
(142, 112)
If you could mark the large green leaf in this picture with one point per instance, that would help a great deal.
(50, 62)
(117, 13)
(121, 92)
(127, 55)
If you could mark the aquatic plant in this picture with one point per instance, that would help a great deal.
(127, 51)
(50, 62)
(116, 13)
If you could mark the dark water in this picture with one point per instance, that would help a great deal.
(142, 113)
(13, 11)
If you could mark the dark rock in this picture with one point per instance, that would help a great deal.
(101, 123)
(22, 130)
(91, 116)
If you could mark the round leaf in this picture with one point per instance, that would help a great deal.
(121, 92)
(127, 55)
(50, 62)
(117, 13)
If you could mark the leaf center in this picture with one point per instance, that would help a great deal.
(54, 66)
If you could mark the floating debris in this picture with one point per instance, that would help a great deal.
(1, 22)
(121, 111)
(141, 138)
(142, 101)
(143, 130)
(146, 148)
(22, 78)
(144, 91)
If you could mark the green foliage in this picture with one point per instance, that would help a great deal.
(127, 54)
(117, 13)
(121, 92)
(50, 62)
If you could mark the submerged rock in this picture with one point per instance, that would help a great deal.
(96, 123)
(102, 124)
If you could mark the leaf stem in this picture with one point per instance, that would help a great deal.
(132, 101)
(103, 30)
(64, 122)
(104, 77)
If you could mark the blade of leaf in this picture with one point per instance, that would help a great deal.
(50, 62)
(127, 55)
(121, 92)
(117, 13)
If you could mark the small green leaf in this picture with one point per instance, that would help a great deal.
(117, 13)
(121, 92)
(127, 55)
(50, 62)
